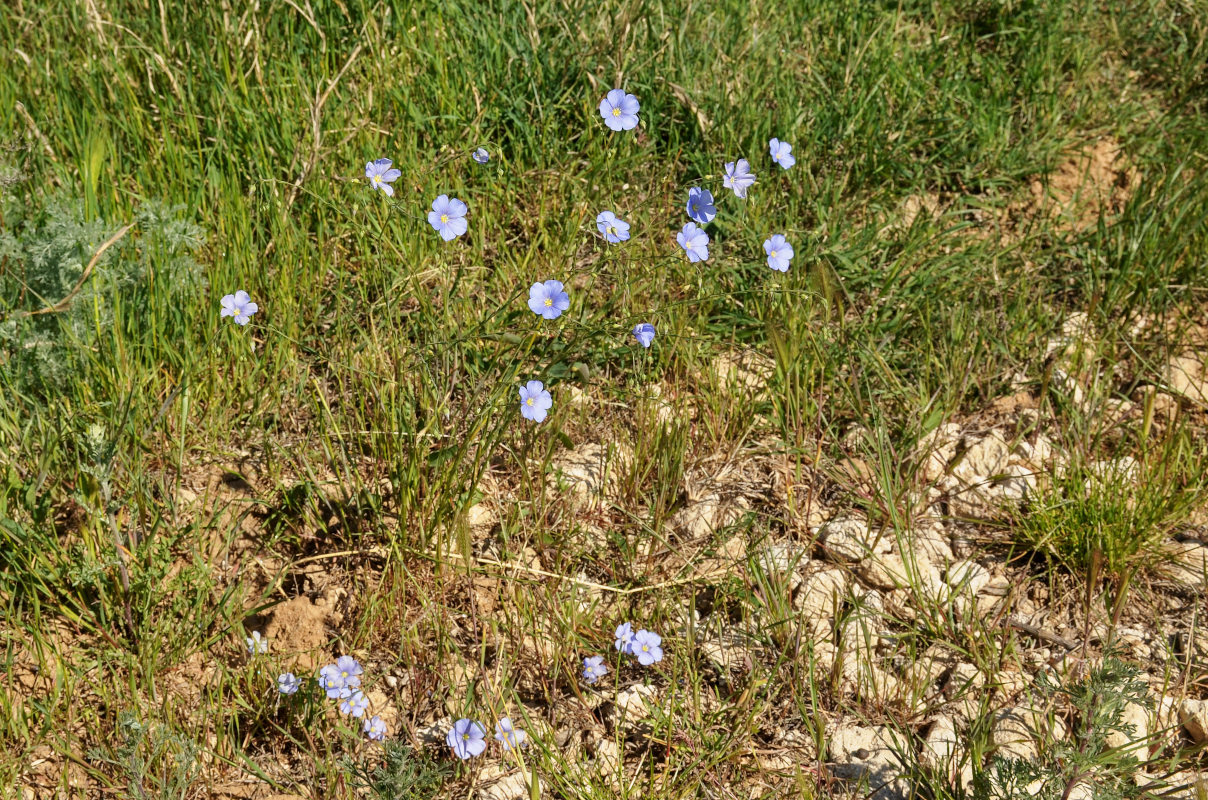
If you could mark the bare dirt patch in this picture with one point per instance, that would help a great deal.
(1093, 181)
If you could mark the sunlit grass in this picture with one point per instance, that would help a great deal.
(167, 476)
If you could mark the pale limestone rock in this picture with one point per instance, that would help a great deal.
(967, 577)
(867, 754)
(850, 539)
(1189, 563)
(1081, 791)
(699, 520)
(481, 520)
(930, 541)
(1017, 731)
(632, 704)
(510, 786)
(588, 472)
(783, 558)
(1131, 743)
(727, 651)
(1187, 377)
(607, 756)
(821, 595)
(891, 571)
(940, 744)
(434, 732)
(1193, 714)
(936, 449)
(983, 481)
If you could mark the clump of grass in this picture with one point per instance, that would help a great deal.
(1114, 515)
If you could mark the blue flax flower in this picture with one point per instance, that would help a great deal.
(624, 637)
(620, 110)
(448, 217)
(374, 728)
(335, 686)
(467, 738)
(548, 299)
(782, 153)
(256, 643)
(695, 242)
(535, 401)
(780, 253)
(594, 668)
(507, 735)
(481, 155)
(738, 177)
(644, 333)
(340, 678)
(288, 683)
(700, 205)
(380, 175)
(356, 704)
(331, 682)
(611, 227)
(239, 306)
(349, 668)
(646, 647)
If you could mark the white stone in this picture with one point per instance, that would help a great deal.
(936, 449)
(967, 576)
(511, 786)
(783, 558)
(1016, 731)
(435, 732)
(984, 481)
(940, 746)
(1193, 714)
(1187, 376)
(867, 754)
(588, 471)
(481, 520)
(850, 539)
(1080, 791)
(608, 756)
(727, 651)
(822, 594)
(931, 541)
(1189, 564)
(709, 514)
(891, 571)
(632, 704)
(1131, 743)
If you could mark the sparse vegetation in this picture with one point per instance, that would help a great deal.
(922, 515)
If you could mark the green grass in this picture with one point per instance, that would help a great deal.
(371, 403)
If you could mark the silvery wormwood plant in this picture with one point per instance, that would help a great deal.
(44, 254)
(1084, 758)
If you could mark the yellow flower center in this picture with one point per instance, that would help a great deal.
(465, 736)
(616, 112)
(548, 302)
(444, 217)
(772, 254)
(377, 178)
(528, 402)
(612, 230)
(645, 648)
